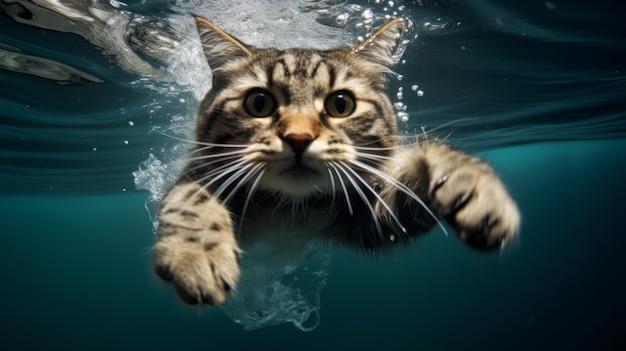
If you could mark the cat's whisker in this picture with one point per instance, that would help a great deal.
(243, 180)
(367, 155)
(400, 187)
(206, 164)
(343, 186)
(214, 154)
(215, 159)
(367, 148)
(195, 142)
(221, 172)
(221, 157)
(332, 183)
(359, 191)
(251, 191)
(232, 178)
(460, 120)
(380, 199)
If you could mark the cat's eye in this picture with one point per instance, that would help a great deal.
(340, 104)
(259, 103)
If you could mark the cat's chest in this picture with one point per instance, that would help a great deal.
(286, 222)
(283, 232)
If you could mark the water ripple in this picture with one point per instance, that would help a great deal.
(85, 82)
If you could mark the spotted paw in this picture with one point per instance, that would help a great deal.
(473, 200)
(201, 272)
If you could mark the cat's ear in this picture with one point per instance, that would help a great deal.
(219, 47)
(383, 46)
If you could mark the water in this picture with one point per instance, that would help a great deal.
(537, 88)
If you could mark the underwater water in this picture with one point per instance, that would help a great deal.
(91, 93)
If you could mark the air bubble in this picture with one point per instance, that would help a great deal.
(420, 93)
(398, 105)
(367, 18)
(414, 87)
(403, 116)
(399, 95)
(131, 123)
(342, 19)
(117, 4)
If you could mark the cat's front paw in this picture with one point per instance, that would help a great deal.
(476, 204)
(202, 272)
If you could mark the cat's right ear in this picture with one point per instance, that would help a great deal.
(219, 47)
(384, 47)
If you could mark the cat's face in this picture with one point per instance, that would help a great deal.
(293, 121)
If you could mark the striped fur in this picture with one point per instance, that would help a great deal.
(297, 145)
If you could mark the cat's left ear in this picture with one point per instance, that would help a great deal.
(382, 46)
(219, 47)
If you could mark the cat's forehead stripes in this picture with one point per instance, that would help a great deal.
(297, 63)
(295, 67)
(299, 75)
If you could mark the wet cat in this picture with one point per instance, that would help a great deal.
(298, 145)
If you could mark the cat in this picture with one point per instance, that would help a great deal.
(301, 145)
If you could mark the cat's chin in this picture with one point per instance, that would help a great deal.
(297, 181)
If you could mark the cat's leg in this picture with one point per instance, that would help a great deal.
(462, 189)
(196, 248)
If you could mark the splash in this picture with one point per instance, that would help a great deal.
(271, 294)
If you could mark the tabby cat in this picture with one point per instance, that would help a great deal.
(301, 145)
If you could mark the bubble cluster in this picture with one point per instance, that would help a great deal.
(400, 93)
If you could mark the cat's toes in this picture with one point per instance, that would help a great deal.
(202, 273)
(478, 207)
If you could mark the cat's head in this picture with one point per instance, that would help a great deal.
(294, 121)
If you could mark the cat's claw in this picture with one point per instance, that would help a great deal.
(200, 276)
(476, 204)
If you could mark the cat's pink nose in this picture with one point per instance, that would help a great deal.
(298, 141)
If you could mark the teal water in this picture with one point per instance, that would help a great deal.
(536, 88)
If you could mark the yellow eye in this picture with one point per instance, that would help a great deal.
(340, 104)
(259, 103)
